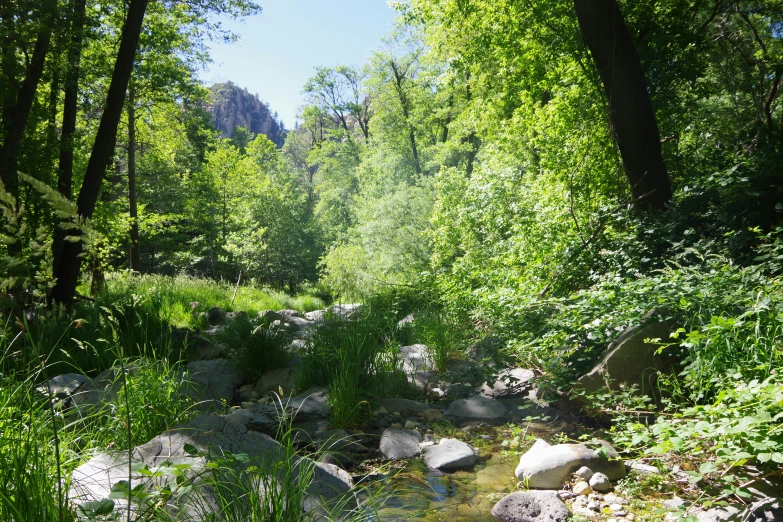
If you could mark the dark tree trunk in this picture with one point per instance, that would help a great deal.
(16, 111)
(135, 247)
(102, 150)
(65, 172)
(630, 111)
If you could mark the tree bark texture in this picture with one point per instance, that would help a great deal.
(102, 150)
(135, 247)
(630, 111)
(65, 171)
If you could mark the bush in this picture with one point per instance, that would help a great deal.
(255, 350)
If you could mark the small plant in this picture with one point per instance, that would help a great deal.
(255, 350)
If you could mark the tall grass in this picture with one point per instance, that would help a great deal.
(358, 361)
(170, 297)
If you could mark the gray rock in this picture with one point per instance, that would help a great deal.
(214, 436)
(584, 473)
(630, 360)
(211, 383)
(316, 316)
(450, 455)
(547, 467)
(644, 469)
(673, 504)
(346, 312)
(406, 321)
(312, 403)
(403, 405)
(531, 506)
(600, 482)
(400, 444)
(275, 380)
(477, 407)
(206, 350)
(63, 385)
(269, 316)
(216, 315)
(459, 390)
(414, 358)
(436, 394)
(288, 313)
(509, 383)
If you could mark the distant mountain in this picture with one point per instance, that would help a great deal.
(232, 107)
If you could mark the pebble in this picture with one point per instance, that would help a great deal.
(615, 507)
(584, 473)
(630, 516)
(409, 424)
(396, 414)
(396, 425)
(600, 482)
(612, 498)
(565, 495)
(594, 506)
(621, 513)
(582, 488)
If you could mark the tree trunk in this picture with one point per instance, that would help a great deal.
(102, 150)
(398, 81)
(630, 111)
(65, 172)
(135, 247)
(16, 111)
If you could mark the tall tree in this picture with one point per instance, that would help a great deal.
(103, 149)
(77, 11)
(630, 110)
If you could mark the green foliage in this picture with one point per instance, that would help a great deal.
(256, 349)
(357, 360)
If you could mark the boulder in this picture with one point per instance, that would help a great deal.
(630, 360)
(213, 437)
(450, 455)
(478, 408)
(63, 386)
(310, 404)
(316, 316)
(206, 350)
(216, 315)
(400, 444)
(346, 312)
(403, 406)
(414, 358)
(547, 467)
(269, 316)
(211, 383)
(275, 380)
(531, 506)
(288, 313)
(509, 383)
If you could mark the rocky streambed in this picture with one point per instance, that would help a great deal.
(462, 451)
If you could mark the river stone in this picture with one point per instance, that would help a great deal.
(547, 467)
(414, 358)
(274, 380)
(400, 444)
(216, 315)
(450, 455)
(212, 383)
(509, 383)
(531, 506)
(346, 312)
(600, 482)
(212, 435)
(403, 405)
(477, 407)
(312, 403)
(63, 385)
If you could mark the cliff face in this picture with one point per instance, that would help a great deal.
(233, 107)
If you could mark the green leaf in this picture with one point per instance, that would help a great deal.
(95, 509)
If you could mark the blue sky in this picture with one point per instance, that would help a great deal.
(280, 48)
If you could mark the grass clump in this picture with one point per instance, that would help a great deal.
(256, 350)
(357, 360)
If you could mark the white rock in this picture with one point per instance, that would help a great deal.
(582, 488)
(600, 482)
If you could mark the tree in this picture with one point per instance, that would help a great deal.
(69, 264)
(630, 110)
